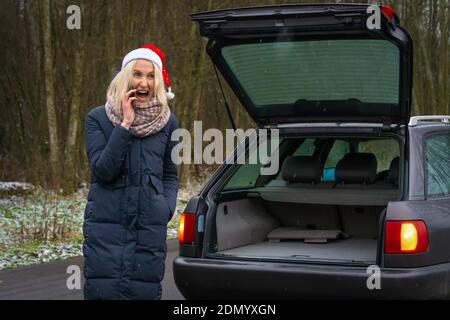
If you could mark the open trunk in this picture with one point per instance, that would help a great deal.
(306, 69)
(300, 213)
(255, 228)
(321, 62)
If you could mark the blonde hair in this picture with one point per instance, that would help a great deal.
(121, 84)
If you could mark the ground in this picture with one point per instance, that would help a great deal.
(37, 225)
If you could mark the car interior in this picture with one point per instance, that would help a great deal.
(315, 207)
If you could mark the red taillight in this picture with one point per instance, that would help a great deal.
(388, 12)
(405, 237)
(186, 229)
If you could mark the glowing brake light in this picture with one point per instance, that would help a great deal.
(406, 237)
(186, 228)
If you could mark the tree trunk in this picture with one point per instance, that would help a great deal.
(71, 155)
(444, 71)
(50, 92)
(111, 37)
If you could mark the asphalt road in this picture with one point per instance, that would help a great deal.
(48, 281)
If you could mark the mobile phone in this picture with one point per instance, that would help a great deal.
(133, 94)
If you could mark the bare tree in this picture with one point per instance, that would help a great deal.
(50, 90)
(42, 55)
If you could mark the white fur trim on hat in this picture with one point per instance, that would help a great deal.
(169, 94)
(142, 53)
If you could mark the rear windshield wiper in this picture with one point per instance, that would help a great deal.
(326, 101)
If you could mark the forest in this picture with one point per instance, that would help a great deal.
(52, 76)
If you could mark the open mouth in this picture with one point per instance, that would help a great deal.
(142, 93)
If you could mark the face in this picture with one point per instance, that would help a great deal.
(143, 80)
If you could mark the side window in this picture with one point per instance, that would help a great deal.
(244, 177)
(248, 173)
(437, 157)
(338, 151)
(306, 148)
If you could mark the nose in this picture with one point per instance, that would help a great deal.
(143, 84)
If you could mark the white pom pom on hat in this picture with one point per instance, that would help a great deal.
(154, 54)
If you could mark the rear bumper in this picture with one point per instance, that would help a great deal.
(227, 279)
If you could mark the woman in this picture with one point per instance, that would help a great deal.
(134, 182)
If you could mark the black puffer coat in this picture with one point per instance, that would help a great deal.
(132, 197)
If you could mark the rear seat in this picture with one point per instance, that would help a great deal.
(359, 170)
(302, 169)
(394, 171)
(356, 168)
(354, 173)
(356, 182)
(302, 172)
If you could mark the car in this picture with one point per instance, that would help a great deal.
(359, 207)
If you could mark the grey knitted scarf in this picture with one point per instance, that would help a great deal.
(149, 118)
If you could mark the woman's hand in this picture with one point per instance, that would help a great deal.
(127, 109)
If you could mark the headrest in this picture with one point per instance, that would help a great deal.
(357, 168)
(394, 171)
(301, 169)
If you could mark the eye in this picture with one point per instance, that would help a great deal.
(137, 74)
(151, 76)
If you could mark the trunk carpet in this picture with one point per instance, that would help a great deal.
(353, 249)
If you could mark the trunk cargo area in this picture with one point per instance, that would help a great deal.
(353, 249)
(255, 228)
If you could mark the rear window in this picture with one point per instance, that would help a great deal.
(385, 151)
(333, 70)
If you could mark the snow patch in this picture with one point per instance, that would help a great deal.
(14, 185)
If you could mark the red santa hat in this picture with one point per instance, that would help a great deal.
(154, 54)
